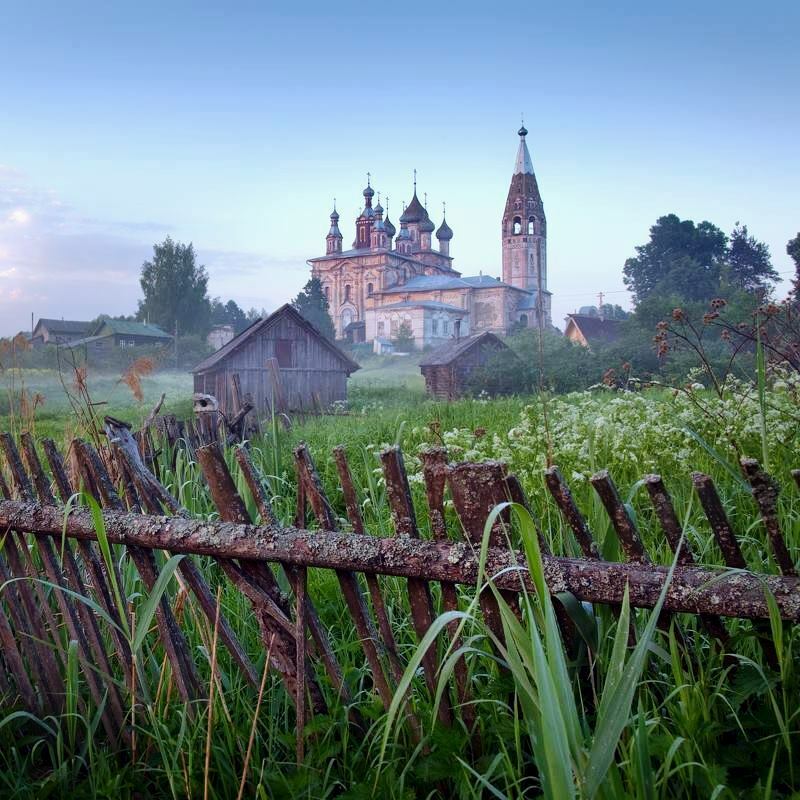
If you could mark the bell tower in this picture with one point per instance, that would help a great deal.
(524, 231)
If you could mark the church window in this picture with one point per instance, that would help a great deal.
(347, 293)
(381, 328)
(446, 327)
(531, 221)
(395, 326)
(327, 291)
(434, 327)
(523, 320)
(347, 318)
(517, 225)
(370, 289)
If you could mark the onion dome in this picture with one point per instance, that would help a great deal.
(427, 226)
(445, 233)
(379, 208)
(369, 192)
(390, 229)
(415, 212)
(523, 131)
(335, 216)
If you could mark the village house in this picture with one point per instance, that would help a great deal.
(591, 330)
(58, 331)
(111, 335)
(391, 277)
(281, 360)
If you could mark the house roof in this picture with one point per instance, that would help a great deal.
(260, 324)
(127, 328)
(596, 329)
(449, 352)
(64, 325)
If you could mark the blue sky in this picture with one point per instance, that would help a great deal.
(234, 125)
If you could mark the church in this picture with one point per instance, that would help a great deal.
(391, 278)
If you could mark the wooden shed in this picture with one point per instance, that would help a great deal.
(447, 368)
(282, 356)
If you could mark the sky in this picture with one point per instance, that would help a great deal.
(234, 125)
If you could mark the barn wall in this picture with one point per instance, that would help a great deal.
(314, 370)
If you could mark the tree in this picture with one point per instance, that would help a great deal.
(175, 289)
(793, 251)
(228, 314)
(404, 338)
(313, 305)
(612, 311)
(748, 263)
(680, 258)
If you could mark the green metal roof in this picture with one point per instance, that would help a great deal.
(126, 328)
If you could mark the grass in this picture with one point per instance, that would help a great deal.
(668, 717)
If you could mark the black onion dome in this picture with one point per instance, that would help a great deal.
(426, 226)
(415, 212)
(369, 191)
(335, 216)
(444, 233)
(523, 131)
(379, 208)
(390, 229)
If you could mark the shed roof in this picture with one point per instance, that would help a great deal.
(596, 329)
(449, 352)
(260, 324)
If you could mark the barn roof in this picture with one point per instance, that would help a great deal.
(260, 324)
(596, 330)
(449, 352)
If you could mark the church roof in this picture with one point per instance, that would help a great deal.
(415, 211)
(426, 283)
(523, 165)
(432, 304)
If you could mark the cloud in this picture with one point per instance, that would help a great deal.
(58, 262)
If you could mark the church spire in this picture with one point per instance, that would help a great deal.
(523, 165)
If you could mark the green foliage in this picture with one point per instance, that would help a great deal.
(793, 251)
(313, 305)
(680, 258)
(175, 290)
(403, 340)
(748, 265)
(567, 366)
(228, 314)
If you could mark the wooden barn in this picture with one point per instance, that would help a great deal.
(282, 356)
(447, 368)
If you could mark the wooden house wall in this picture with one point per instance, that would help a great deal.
(314, 370)
(447, 381)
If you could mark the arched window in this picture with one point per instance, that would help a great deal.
(370, 290)
(523, 320)
(517, 225)
(531, 221)
(327, 291)
(347, 293)
(347, 318)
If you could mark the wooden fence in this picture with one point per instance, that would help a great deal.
(45, 547)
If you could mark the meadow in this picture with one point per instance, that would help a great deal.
(692, 724)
